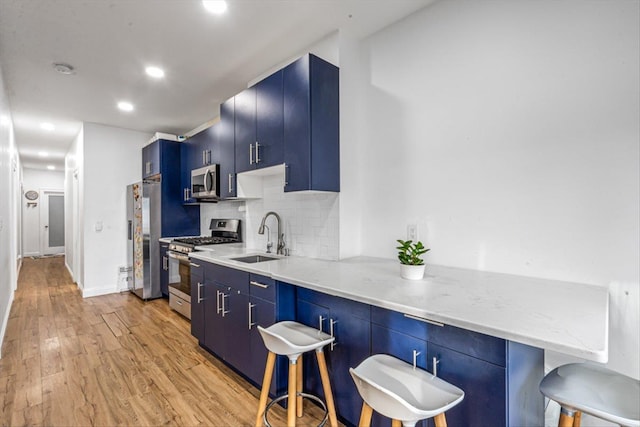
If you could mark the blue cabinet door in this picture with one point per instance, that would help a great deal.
(263, 313)
(245, 129)
(350, 323)
(311, 125)
(269, 122)
(214, 331)
(236, 330)
(197, 301)
(483, 383)
(226, 149)
(151, 158)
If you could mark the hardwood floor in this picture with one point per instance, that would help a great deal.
(111, 360)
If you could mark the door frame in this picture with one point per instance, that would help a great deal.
(44, 221)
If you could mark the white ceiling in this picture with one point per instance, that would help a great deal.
(207, 58)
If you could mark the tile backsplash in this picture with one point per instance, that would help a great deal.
(310, 221)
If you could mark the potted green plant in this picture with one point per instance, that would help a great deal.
(411, 262)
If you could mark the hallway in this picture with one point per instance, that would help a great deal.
(110, 360)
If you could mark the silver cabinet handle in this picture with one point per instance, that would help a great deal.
(416, 353)
(165, 263)
(230, 183)
(208, 157)
(194, 265)
(178, 302)
(422, 319)
(258, 284)
(250, 317)
(199, 293)
(321, 320)
(217, 302)
(257, 152)
(250, 154)
(148, 168)
(185, 194)
(224, 310)
(434, 366)
(286, 174)
(332, 333)
(204, 158)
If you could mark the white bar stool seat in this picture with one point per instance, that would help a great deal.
(292, 339)
(401, 392)
(594, 390)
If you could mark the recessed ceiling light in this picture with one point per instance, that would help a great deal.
(63, 68)
(47, 126)
(51, 167)
(155, 72)
(43, 154)
(125, 106)
(215, 6)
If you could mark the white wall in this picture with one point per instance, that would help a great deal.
(9, 214)
(111, 159)
(74, 219)
(36, 180)
(509, 132)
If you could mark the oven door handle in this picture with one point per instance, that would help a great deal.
(178, 256)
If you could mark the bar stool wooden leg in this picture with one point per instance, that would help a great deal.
(396, 423)
(577, 417)
(365, 415)
(291, 409)
(299, 380)
(440, 420)
(566, 418)
(266, 383)
(326, 385)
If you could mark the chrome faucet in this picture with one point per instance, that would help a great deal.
(281, 243)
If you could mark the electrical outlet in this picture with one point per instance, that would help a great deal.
(412, 232)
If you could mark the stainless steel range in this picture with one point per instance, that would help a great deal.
(222, 231)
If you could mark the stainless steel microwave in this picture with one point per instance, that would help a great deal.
(204, 182)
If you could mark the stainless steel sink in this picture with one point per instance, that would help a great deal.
(252, 259)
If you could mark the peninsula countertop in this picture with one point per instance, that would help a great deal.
(571, 318)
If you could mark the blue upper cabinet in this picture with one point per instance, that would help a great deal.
(225, 149)
(164, 157)
(311, 125)
(151, 159)
(259, 124)
(196, 152)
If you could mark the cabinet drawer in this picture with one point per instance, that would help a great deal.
(400, 322)
(180, 305)
(355, 309)
(262, 287)
(475, 344)
(235, 279)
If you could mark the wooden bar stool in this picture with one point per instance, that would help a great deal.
(292, 339)
(401, 392)
(594, 390)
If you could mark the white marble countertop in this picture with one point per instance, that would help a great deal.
(570, 318)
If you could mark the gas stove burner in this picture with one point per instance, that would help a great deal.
(222, 231)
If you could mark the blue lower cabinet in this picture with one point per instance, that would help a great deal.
(164, 269)
(350, 323)
(500, 378)
(483, 384)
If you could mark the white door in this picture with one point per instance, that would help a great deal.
(52, 222)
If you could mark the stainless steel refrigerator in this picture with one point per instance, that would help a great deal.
(143, 232)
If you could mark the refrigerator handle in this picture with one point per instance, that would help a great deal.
(130, 230)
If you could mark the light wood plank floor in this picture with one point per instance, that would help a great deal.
(111, 360)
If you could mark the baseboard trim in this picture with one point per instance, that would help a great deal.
(96, 292)
(5, 321)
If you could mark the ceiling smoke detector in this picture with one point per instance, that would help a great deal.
(63, 68)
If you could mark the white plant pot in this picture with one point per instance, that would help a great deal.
(412, 272)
